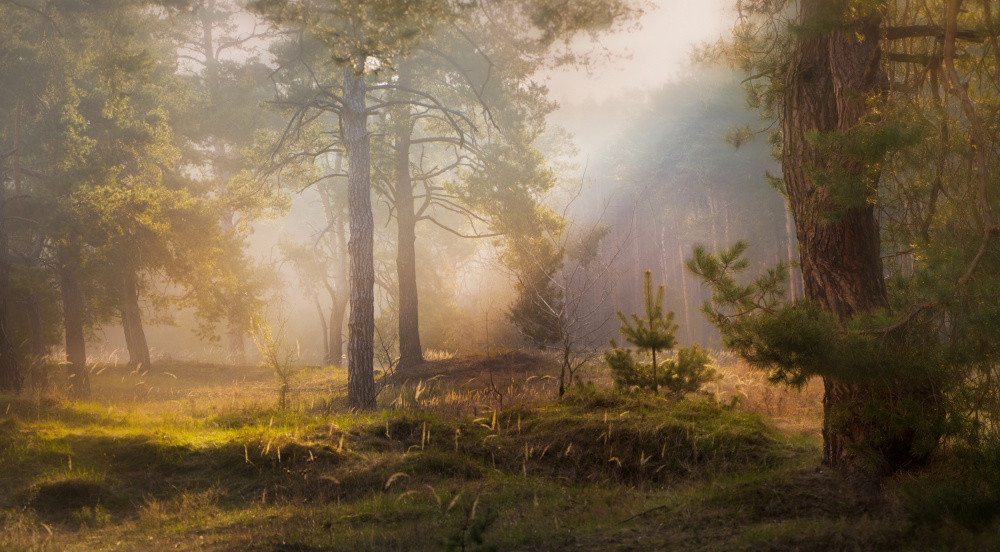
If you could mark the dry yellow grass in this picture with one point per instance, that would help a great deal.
(792, 410)
(473, 384)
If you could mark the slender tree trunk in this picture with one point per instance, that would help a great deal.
(236, 318)
(563, 369)
(33, 308)
(327, 356)
(714, 216)
(656, 386)
(135, 336)
(664, 267)
(38, 370)
(11, 378)
(237, 342)
(76, 345)
(361, 326)
(726, 223)
(410, 352)
(830, 79)
(336, 326)
(689, 330)
(338, 285)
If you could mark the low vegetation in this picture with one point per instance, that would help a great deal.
(195, 458)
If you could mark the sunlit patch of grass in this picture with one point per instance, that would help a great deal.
(206, 460)
(790, 409)
(434, 354)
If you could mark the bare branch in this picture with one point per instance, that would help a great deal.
(457, 233)
(932, 31)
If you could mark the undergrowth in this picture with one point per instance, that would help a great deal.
(202, 464)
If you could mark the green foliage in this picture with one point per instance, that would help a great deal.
(96, 516)
(353, 32)
(687, 373)
(966, 494)
(105, 125)
(864, 145)
(535, 310)
(902, 377)
(470, 534)
(532, 235)
(655, 332)
(925, 366)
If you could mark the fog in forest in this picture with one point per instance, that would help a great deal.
(637, 144)
(499, 274)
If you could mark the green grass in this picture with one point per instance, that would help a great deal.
(195, 461)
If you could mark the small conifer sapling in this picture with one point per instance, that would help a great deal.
(655, 333)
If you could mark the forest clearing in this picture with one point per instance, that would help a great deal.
(199, 457)
(480, 275)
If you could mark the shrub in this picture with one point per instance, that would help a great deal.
(686, 373)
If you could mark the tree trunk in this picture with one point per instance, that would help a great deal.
(327, 356)
(38, 370)
(236, 318)
(11, 378)
(410, 352)
(563, 369)
(790, 251)
(689, 329)
(361, 326)
(831, 77)
(337, 285)
(237, 343)
(76, 345)
(135, 336)
(336, 330)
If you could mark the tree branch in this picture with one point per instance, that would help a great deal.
(932, 31)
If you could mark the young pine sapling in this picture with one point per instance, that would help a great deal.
(654, 333)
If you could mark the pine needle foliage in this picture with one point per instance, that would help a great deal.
(653, 333)
(794, 341)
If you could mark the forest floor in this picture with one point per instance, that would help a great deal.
(470, 453)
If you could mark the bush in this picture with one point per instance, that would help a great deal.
(684, 374)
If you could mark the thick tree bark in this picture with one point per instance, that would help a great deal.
(410, 352)
(135, 336)
(76, 345)
(361, 326)
(830, 79)
(793, 284)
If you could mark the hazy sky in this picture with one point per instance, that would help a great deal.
(658, 50)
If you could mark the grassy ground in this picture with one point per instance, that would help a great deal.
(462, 454)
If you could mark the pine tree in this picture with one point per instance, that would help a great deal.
(653, 333)
(885, 169)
